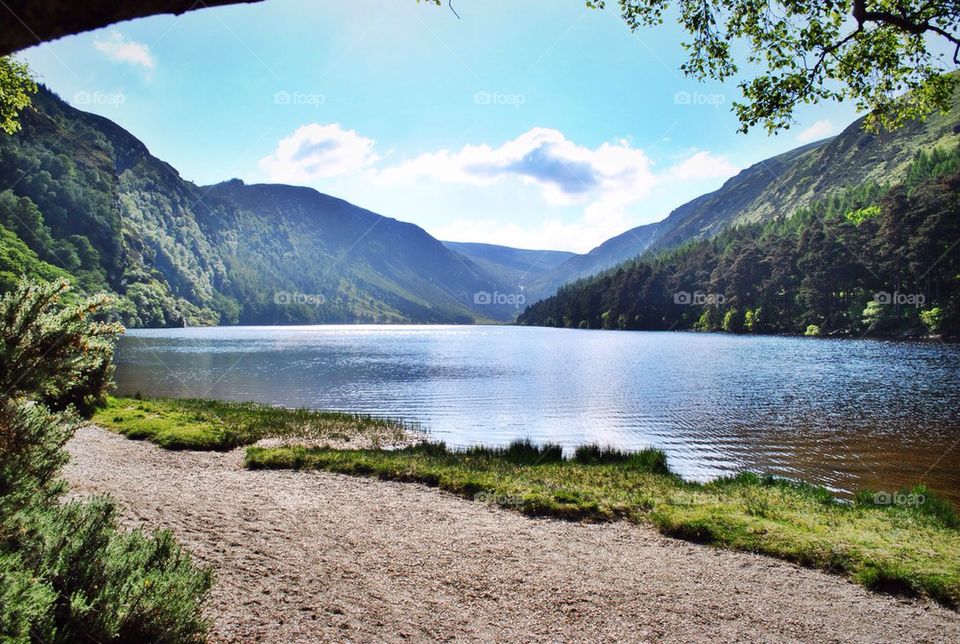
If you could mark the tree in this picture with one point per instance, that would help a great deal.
(16, 86)
(882, 54)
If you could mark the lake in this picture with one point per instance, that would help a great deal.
(841, 413)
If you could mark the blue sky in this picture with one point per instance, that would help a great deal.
(538, 124)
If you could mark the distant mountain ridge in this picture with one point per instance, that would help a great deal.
(514, 266)
(89, 198)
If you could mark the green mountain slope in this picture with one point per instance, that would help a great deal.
(516, 266)
(775, 187)
(17, 260)
(88, 198)
(610, 253)
(874, 259)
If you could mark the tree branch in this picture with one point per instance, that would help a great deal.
(31, 22)
(903, 22)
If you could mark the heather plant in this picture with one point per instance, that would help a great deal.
(67, 571)
(55, 352)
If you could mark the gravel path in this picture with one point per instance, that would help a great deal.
(306, 557)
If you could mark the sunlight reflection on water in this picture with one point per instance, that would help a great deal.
(842, 413)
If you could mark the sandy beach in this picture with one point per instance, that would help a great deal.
(305, 557)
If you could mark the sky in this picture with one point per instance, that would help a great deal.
(536, 124)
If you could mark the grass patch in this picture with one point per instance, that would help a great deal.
(215, 425)
(911, 549)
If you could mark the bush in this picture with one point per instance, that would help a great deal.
(709, 320)
(753, 320)
(54, 353)
(91, 581)
(933, 319)
(878, 318)
(733, 321)
(67, 571)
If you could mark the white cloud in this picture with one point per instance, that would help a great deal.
(590, 230)
(564, 172)
(317, 151)
(119, 49)
(703, 165)
(819, 130)
(546, 190)
(606, 181)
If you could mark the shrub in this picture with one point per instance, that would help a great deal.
(67, 571)
(733, 321)
(752, 320)
(54, 353)
(877, 318)
(933, 319)
(709, 320)
(92, 581)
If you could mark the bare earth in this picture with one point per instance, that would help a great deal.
(305, 557)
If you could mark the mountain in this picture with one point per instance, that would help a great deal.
(773, 188)
(610, 253)
(780, 186)
(86, 199)
(517, 266)
(875, 259)
(89, 200)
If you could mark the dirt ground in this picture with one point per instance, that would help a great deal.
(306, 557)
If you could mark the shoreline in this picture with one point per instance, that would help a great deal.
(785, 519)
(314, 555)
(944, 339)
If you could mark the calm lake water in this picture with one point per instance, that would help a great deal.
(841, 413)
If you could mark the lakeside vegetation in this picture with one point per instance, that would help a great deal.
(911, 548)
(68, 571)
(215, 425)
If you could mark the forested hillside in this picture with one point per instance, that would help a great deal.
(874, 259)
(771, 189)
(86, 199)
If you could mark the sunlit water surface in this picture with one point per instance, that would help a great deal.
(843, 413)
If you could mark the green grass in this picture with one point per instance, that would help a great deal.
(895, 548)
(911, 549)
(214, 425)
